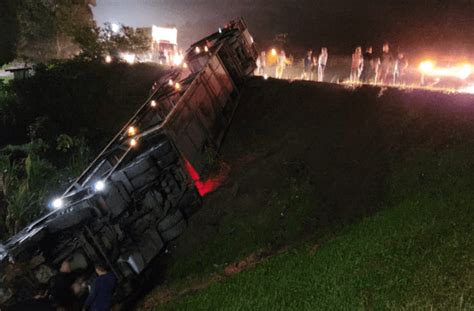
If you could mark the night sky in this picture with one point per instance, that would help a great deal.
(414, 26)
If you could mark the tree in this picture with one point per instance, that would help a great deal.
(96, 42)
(42, 30)
(134, 40)
(36, 30)
(8, 31)
(47, 28)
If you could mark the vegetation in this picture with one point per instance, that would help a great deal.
(39, 31)
(415, 255)
(357, 199)
(52, 123)
(8, 31)
(27, 177)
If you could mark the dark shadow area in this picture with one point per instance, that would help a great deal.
(335, 144)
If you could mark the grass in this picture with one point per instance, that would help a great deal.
(416, 254)
(274, 225)
(5, 79)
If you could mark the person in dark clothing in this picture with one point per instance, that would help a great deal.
(308, 66)
(386, 64)
(401, 64)
(61, 287)
(368, 71)
(100, 296)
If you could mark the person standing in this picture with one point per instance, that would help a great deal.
(281, 65)
(261, 63)
(322, 61)
(308, 66)
(401, 64)
(357, 65)
(369, 66)
(61, 287)
(100, 296)
(386, 63)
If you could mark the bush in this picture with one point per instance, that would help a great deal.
(81, 98)
(52, 122)
(8, 114)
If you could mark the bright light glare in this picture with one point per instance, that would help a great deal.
(153, 103)
(185, 65)
(57, 203)
(115, 27)
(274, 52)
(198, 50)
(129, 58)
(206, 49)
(133, 142)
(177, 86)
(132, 131)
(170, 82)
(108, 59)
(426, 66)
(462, 71)
(178, 59)
(468, 89)
(265, 76)
(465, 71)
(99, 186)
(164, 35)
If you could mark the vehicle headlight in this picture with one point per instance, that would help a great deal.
(99, 186)
(57, 203)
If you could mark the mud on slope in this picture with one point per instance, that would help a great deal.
(307, 157)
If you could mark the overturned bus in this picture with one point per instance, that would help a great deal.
(137, 195)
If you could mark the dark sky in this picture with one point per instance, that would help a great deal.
(430, 26)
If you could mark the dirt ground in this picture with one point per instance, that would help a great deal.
(341, 141)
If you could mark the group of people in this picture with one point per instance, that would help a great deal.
(313, 65)
(68, 290)
(366, 67)
(385, 69)
(281, 62)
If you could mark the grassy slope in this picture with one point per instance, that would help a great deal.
(307, 160)
(416, 255)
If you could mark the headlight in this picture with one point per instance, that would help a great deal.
(99, 186)
(57, 203)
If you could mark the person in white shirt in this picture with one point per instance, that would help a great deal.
(357, 65)
(281, 65)
(261, 63)
(322, 61)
